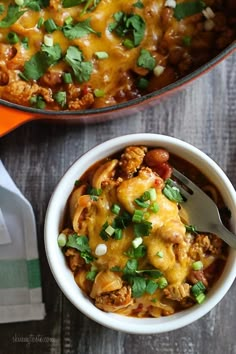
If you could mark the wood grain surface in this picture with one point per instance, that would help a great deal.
(37, 154)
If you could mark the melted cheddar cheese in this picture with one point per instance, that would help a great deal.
(127, 244)
(146, 45)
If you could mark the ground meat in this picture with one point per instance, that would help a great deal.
(74, 259)
(196, 276)
(46, 94)
(132, 159)
(51, 78)
(55, 4)
(82, 103)
(216, 245)
(177, 292)
(200, 246)
(114, 300)
(19, 92)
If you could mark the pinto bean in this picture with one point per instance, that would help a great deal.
(156, 156)
(4, 78)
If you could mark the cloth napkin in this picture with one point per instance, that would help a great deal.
(20, 283)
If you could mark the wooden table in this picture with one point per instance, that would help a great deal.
(37, 154)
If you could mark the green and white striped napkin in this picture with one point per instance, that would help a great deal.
(20, 282)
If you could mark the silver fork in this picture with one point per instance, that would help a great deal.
(201, 210)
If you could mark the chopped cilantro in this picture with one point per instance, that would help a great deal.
(71, 3)
(146, 60)
(91, 275)
(139, 279)
(189, 8)
(41, 61)
(79, 30)
(33, 5)
(138, 286)
(142, 229)
(172, 192)
(53, 53)
(94, 191)
(151, 287)
(128, 26)
(152, 273)
(89, 4)
(82, 245)
(13, 14)
(138, 4)
(122, 220)
(137, 252)
(82, 69)
(130, 267)
(116, 269)
(2, 8)
(60, 98)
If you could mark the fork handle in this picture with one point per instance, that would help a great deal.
(225, 235)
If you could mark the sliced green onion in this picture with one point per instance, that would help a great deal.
(50, 25)
(138, 216)
(117, 234)
(60, 98)
(198, 288)
(101, 55)
(142, 83)
(160, 254)
(25, 42)
(152, 194)
(137, 242)
(48, 40)
(190, 228)
(12, 38)
(200, 298)
(141, 204)
(40, 22)
(38, 102)
(69, 20)
(162, 282)
(154, 207)
(61, 240)
(197, 265)
(98, 93)
(110, 230)
(115, 209)
(19, 2)
(128, 43)
(67, 78)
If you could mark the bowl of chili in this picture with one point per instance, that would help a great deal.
(148, 303)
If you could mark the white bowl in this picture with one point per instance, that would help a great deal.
(64, 276)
